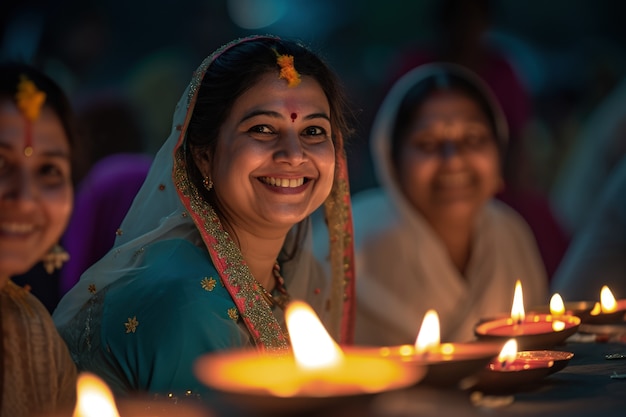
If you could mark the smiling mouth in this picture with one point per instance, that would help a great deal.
(16, 228)
(454, 181)
(283, 182)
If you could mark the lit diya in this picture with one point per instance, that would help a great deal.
(580, 309)
(532, 331)
(609, 310)
(95, 399)
(448, 364)
(317, 372)
(514, 371)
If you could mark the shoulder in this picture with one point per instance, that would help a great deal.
(29, 318)
(175, 285)
(20, 304)
(501, 215)
(169, 269)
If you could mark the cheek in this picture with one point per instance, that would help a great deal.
(59, 206)
(490, 169)
(414, 171)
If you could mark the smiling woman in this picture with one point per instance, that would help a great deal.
(217, 240)
(37, 374)
(433, 236)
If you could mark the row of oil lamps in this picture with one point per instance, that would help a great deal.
(510, 351)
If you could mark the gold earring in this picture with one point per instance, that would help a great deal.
(208, 183)
(55, 258)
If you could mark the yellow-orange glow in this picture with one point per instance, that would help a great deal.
(517, 310)
(318, 367)
(607, 301)
(312, 345)
(558, 325)
(428, 337)
(557, 307)
(508, 353)
(597, 309)
(94, 398)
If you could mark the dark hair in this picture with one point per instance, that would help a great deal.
(237, 70)
(443, 80)
(56, 100)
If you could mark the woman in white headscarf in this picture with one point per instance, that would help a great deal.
(217, 240)
(433, 236)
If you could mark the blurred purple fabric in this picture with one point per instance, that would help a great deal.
(102, 200)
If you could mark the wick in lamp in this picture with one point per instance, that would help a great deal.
(448, 364)
(532, 331)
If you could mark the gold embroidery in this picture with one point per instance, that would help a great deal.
(208, 283)
(233, 314)
(131, 325)
(138, 252)
(254, 310)
(92, 288)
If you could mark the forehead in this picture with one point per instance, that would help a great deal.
(272, 92)
(450, 105)
(47, 131)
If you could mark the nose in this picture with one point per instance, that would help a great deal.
(449, 149)
(290, 149)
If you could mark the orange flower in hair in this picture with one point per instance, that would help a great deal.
(287, 70)
(29, 99)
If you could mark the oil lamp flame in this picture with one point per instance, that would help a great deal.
(313, 348)
(607, 300)
(428, 336)
(517, 310)
(508, 353)
(597, 309)
(557, 307)
(94, 398)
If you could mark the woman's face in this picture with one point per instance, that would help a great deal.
(449, 162)
(275, 159)
(36, 193)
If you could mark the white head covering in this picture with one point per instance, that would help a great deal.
(403, 267)
(382, 130)
(168, 206)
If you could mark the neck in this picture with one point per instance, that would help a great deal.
(260, 253)
(457, 240)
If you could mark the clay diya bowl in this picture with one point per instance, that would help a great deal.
(535, 332)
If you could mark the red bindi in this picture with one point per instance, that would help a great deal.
(294, 116)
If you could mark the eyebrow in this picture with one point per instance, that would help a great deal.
(277, 115)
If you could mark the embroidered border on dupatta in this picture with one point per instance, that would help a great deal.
(229, 262)
(338, 213)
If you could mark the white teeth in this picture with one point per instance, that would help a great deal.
(16, 227)
(283, 182)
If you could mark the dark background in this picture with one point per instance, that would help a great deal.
(569, 54)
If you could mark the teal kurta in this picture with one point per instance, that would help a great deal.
(151, 306)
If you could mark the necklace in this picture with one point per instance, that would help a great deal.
(282, 297)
